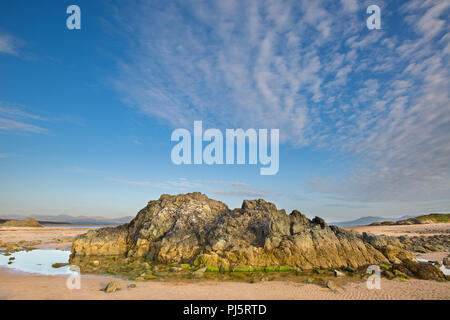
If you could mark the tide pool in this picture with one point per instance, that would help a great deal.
(37, 261)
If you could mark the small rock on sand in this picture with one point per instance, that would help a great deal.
(338, 273)
(331, 285)
(175, 269)
(446, 262)
(199, 272)
(113, 286)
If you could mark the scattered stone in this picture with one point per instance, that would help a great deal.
(436, 263)
(95, 263)
(160, 274)
(425, 244)
(446, 262)
(338, 273)
(131, 286)
(200, 272)
(388, 274)
(331, 285)
(113, 286)
(175, 269)
(59, 265)
(254, 280)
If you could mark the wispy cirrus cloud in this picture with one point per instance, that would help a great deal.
(86, 170)
(132, 183)
(9, 44)
(15, 119)
(215, 187)
(312, 69)
(13, 125)
(180, 183)
(18, 113)
(239, 189)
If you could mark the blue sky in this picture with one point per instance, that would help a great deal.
(86, 115)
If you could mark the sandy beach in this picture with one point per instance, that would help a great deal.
(14, 285)
(18, 285)
(405, 230)
(50, 238)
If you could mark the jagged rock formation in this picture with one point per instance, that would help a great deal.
(30, 222)
(191, 228)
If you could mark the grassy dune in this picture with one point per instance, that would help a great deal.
(427, 218)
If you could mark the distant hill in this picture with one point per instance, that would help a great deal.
(364, 221)
(428, 218)
(29, 222)
(40, 221)
(59, 219)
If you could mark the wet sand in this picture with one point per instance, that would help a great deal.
(17, 285)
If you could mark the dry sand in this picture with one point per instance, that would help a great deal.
(56, 238)
(16, 285)
(405, 230)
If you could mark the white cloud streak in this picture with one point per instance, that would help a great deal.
(13, 119)
(8, 44)
(12, 125)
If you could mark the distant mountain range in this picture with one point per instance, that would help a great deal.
(48, 219)
(364, 221)
(70, 219)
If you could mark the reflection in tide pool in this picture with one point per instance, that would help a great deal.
(37, 261)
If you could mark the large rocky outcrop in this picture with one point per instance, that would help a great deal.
(191, 228)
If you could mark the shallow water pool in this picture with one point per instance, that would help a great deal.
(37, 261)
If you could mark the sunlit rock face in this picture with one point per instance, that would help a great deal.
(192, 228)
